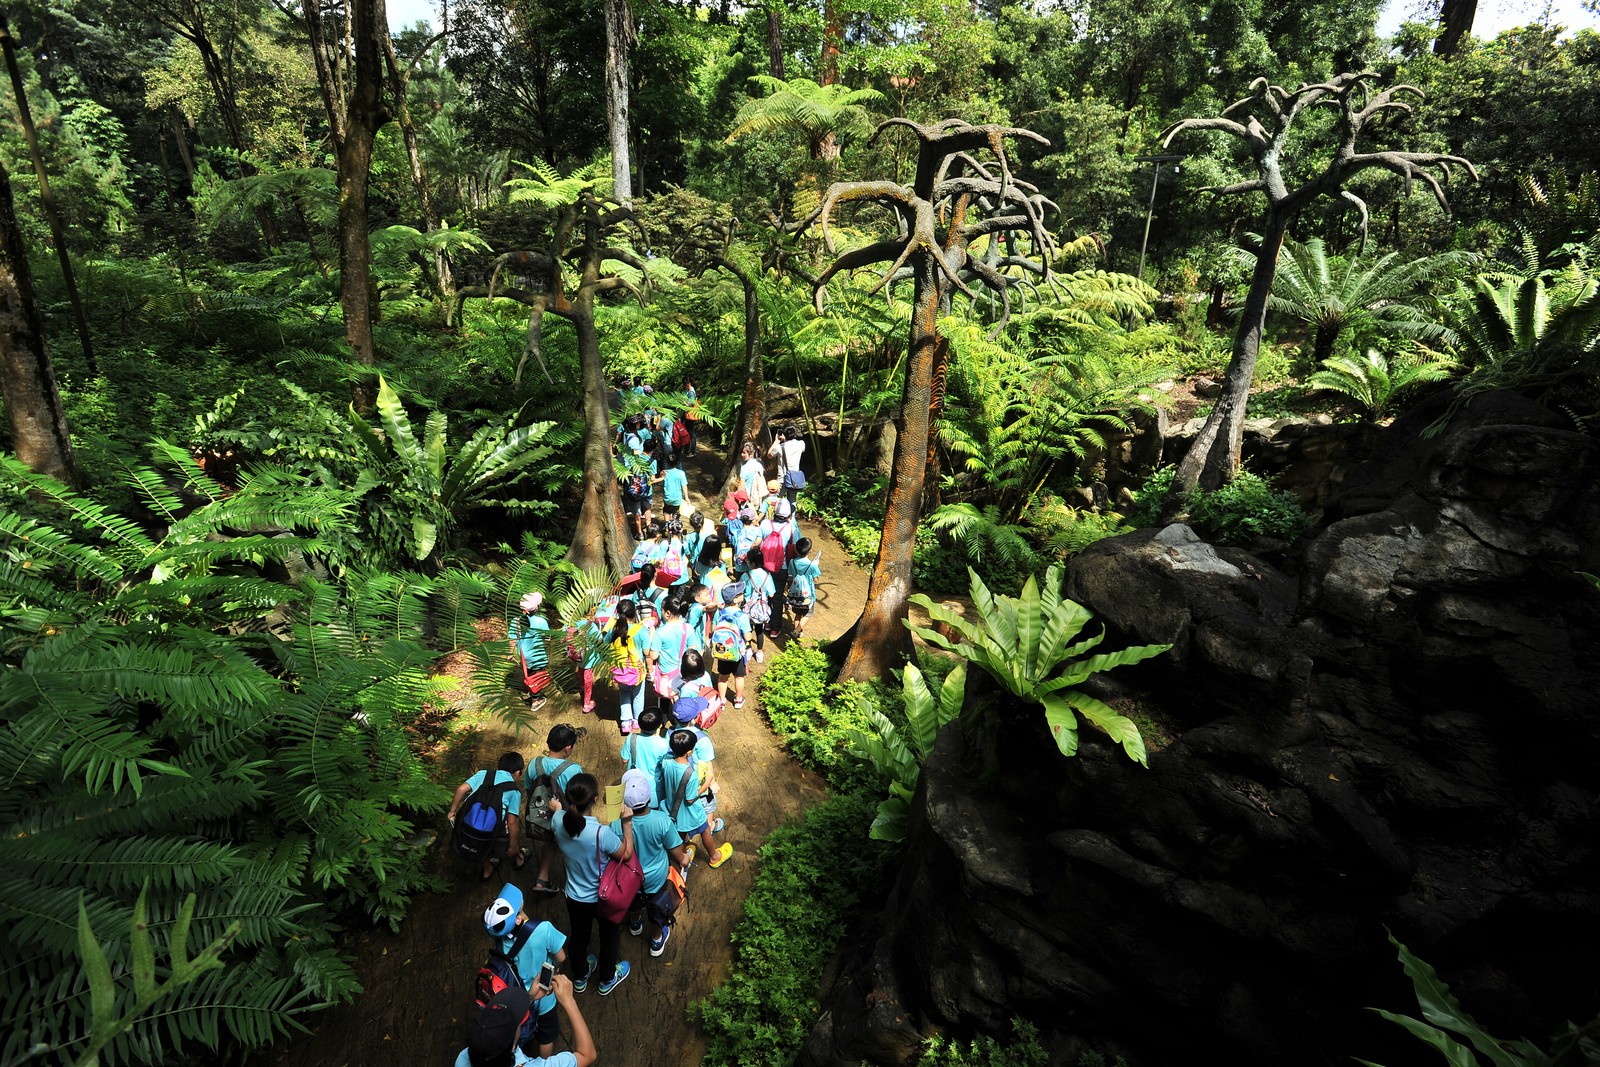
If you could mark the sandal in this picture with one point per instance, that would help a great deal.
(522, 858)
(543, 886)
(717, 829)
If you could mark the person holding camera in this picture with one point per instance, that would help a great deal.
(789, 446)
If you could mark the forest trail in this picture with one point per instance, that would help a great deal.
(418, 981)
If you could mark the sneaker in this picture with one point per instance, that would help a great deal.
(723, 855)
(616, 979)
(658, 944)
(739, 703)
(759, 657)
(580, 984)
(636, 927)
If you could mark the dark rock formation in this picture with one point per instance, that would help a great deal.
(1403, 734)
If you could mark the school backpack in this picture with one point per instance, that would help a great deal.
(636, 484)
(481, 818)
(757, 606)
(499, 972)
(544, 787)
(641, 553)
(680, 434)
(727, 639)
(772, 549)
(670, 569)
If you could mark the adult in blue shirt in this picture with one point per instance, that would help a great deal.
(584, 842)
(659, 844)
(492, 1034)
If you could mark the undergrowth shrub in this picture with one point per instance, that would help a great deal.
(1022, 1050)
(816, 875)
(1247, 507)
(814, 719)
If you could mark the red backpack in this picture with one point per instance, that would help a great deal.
(680, 435)
(772, 549)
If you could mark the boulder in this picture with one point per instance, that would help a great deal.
(1401, 734)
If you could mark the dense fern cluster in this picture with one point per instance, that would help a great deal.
(210, 709)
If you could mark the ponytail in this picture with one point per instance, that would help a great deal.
(581, 791)
(627, 612)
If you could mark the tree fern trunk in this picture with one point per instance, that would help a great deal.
(931, 498)
(752, 420)
(601, 538)
(27, 378)
(881, 642)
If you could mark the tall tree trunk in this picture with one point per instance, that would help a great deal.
(46, 200)
(27, 379)
(931, 497)
(619, 38)
(879, 641)
(775, 42)
(1213, 457)
(419, 176)
(832, 35)
(223, 89)
(366, 113)
(601, 538)
(1455, 22)
(752, 422)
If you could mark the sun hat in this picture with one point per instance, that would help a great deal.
(500, 918)
(635, 788)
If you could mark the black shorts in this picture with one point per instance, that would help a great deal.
(635, 505)
(800, 611)
(545, 1032)
(734, 667)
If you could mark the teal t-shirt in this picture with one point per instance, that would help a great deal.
(673, 485)
(654, 836)
(511, 800)
(542, 945)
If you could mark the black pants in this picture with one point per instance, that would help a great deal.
(583, 916)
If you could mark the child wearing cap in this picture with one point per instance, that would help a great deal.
(730, 643)
(658, 844)
(492, 1034)
(678, 786)
(784, 525)
(530, 631)
(529, 946)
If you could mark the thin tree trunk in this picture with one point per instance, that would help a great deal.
(1213, 457)
(752, 422)
(619, 37)
(879, 641)
(366, 113)
(931, 498)
(775, 42)
(46, 200)
(601, 538)
(27, 379)
(419, 175)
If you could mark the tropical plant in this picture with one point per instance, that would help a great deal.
(1443, 1017)
(1029, 646)
(1374, 381)
(417, 492)
(174, 721)
(899, 753)
(1248, 507)
(818, 112)
(1529, 333)
(1375, 297)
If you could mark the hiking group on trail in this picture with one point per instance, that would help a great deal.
(677, 635)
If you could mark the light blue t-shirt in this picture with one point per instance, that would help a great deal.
(671, 640)
(522, 1059)
(511, 799)
(583, 864)
(542, 945)
(669, 781)
(673, 485)
(548, 764)
(653, 837)
(529, 633)
(644, 753)
(753, 477)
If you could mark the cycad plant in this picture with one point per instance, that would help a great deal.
(176, 718)
(1375, 381)
(1030, 646)
(898, 754)
(1382, 296)
(1528, 332)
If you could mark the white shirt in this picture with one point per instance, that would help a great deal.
(792, 449)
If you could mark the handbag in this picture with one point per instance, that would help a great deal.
(620, 882)
(625, 675)
(794, 478)
(664, 905)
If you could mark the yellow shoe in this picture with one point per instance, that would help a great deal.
(722, 856)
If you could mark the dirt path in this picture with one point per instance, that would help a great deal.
(418, 980)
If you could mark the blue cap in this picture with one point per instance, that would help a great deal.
(500, 918)
(688, 709)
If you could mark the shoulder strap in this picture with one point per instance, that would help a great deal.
(633, 751)
(556, 777)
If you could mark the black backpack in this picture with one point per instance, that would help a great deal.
(482, 818)
(544, 786)
(499, 971)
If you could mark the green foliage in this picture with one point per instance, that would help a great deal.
(1373, 380)
(176, 721)
(799, 104)
(1247, 507)
(1026, 644)
(1443, 1017)
(1022, 1050)
(816, 721)
(815, 875)
(898, 753)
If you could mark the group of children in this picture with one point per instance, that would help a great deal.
(668, 812)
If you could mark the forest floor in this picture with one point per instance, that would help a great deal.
(418, 981)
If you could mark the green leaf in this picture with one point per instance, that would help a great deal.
(1063, 724)
(102, 991)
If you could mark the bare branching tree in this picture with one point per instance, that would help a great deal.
(1263, 121)
(952, 219)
